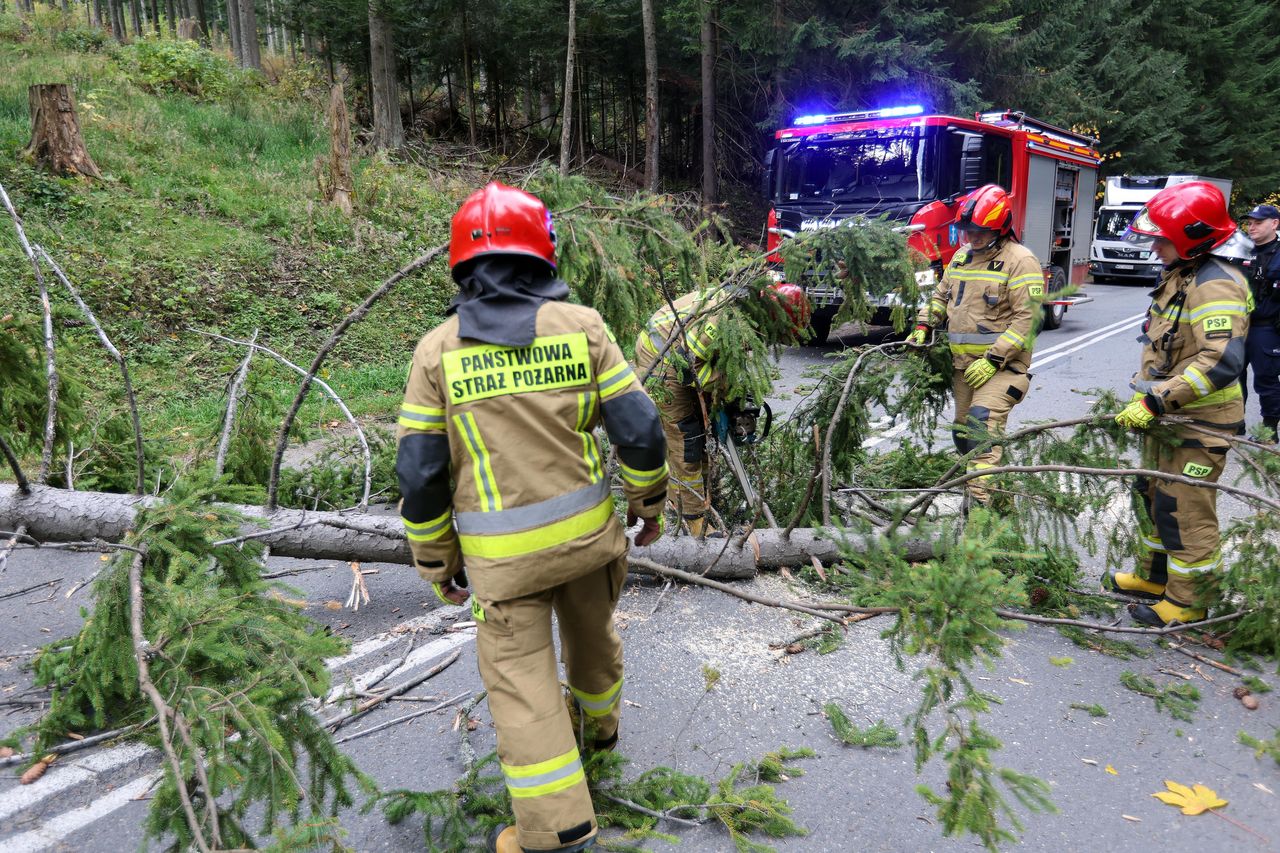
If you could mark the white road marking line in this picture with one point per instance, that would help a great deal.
(1093, 339)
(63, 777)
(55, 829)
(416, 658)
(888, 434)
(1092, 334)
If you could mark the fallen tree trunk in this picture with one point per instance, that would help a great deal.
(57, 515)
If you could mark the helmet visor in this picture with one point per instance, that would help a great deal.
(1142, 231)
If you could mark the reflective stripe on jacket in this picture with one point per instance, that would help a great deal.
(1193, 345)
(499, 463)
(989, 300)
(699, 312)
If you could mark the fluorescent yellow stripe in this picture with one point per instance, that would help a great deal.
(979, 275)
(611, 372)
(1222, 395)
(422, 410)
(550, 787)
(1013, 337)
(642, 478)
(969, 349)
(598, 704)
(1220, 306)
(1177, 567)
(508, 545)
(428, 531)
(524, 771)
(1198, 381)
(486, 484)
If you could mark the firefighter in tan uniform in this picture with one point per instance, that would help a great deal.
(1193, 352)
(692, 388)
(501, 472)
(989, 297)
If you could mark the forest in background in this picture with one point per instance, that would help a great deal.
(1166, 85)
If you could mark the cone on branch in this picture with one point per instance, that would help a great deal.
(56, 142)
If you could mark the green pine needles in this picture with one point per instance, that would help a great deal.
(235, 662)
(880, 734)
(1178, 700)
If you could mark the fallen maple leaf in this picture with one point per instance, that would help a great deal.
(1190, 800)
(1111, 770)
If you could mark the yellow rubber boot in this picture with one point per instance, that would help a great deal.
(503, 840)
(1165, 611)
(1130, 583)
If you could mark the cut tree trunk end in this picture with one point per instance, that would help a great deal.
(341, 183)
(56, 143)
(57, 515)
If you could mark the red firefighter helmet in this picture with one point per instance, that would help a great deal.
(501, 220)
(1192, 216)
(792, 299)
(987, 208)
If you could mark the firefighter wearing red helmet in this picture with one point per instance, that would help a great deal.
(502, 474)
(989, 298)
(1193, 349)
(684, 335)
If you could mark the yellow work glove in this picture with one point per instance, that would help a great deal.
(917, 337)
(1137, 415)
(451, 592)
(978, 373)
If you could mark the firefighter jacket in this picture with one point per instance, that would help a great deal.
(989, 301)
(1193, 342)
(1264, 279)
(699, 312)
(498, 462)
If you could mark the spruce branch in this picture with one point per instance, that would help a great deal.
(51, 368)
(24, 487)
(141, 652)
(130, 398)
(309, 377)
(233, 401)
(332, 395)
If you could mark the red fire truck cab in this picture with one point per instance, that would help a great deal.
(914, 168)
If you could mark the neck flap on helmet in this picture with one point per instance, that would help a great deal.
(499, 297)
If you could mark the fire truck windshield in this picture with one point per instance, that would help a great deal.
(862, 167)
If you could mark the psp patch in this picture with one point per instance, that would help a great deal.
(1219, 323)
(1036, 290)
(1195, 469)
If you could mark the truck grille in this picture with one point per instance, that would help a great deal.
(1125, 254)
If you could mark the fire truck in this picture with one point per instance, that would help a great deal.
(900, 163)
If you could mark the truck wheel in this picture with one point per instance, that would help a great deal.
(1053, 314)
(819, 329)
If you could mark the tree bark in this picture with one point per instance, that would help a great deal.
(341, 182)
(650, 96)
(388, 130)
(708, 103)
(251, 56)
(58, 515)
(233, 30)
(56, 143)
(466, 76)
(566, 112)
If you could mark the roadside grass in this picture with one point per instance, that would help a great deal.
(209, 217)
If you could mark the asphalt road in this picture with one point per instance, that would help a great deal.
(848, 799)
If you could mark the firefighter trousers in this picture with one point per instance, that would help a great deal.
(1178, 523)
(684, 424)
(981, 413)
(537, 746)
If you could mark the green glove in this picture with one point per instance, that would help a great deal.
(1137, 415)
(917, 337)
(979, 373)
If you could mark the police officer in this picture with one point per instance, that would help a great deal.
(692, 386)
(1193, 351)
(989, 297)
(501, 471)
(1262, 347)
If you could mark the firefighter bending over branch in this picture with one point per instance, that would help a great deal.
(501, 471)
(989, 298)
(693, 389)
(1193, 349)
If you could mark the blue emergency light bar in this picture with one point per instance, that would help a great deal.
(886, 112)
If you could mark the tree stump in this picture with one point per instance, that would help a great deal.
(341, 184)
(56, 144)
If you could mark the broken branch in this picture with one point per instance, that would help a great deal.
(233, 401)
